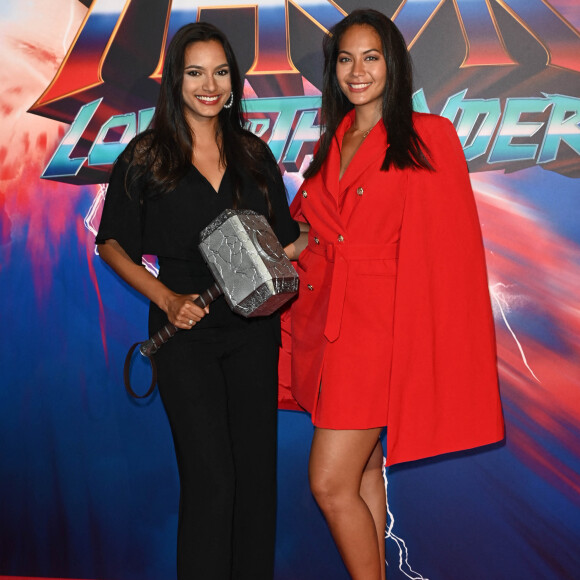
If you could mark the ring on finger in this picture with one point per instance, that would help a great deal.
(190, 322)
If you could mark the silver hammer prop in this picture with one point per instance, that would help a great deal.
(250, 269)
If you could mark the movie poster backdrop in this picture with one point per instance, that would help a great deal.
(89, 485)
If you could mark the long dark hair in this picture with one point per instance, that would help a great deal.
(163, 155)
(406, 149)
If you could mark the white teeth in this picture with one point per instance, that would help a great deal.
(207, 99)
(361, 86)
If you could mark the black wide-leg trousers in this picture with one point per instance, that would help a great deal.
(220, 395)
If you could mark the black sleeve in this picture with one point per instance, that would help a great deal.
(121, 218)
(286, 229)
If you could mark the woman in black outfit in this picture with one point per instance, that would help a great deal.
(218, 382)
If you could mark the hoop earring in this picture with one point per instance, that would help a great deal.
(230, 101)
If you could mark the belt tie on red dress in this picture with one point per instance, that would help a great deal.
(339, 254)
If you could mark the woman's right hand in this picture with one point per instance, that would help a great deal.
(180, 309)
(183, 312)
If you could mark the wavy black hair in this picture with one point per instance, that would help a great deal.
(162, 155)
(406, 149)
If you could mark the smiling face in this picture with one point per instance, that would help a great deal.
(361, 69)
(206, 81)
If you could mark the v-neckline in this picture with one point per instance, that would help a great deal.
(216, 191)
(340, 142)
(341, 177)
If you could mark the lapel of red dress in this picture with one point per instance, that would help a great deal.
(373, 146)
(331, 169)
(371, 152)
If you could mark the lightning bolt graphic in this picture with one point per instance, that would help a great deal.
(401, 546)
(502, 302)
(94, 209)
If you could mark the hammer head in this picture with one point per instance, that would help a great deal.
(248, 262)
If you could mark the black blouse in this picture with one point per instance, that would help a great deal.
(168, 226)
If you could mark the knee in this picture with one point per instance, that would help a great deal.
(210, 483)
(202, 500)
(328, 491)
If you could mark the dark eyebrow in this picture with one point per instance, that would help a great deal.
(197, 67)
(365, 52)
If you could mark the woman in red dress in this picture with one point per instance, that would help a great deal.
(393, 325)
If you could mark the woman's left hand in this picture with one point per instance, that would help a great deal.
(294, 249)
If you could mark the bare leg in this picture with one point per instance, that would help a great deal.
(337, 461)
(372, 490)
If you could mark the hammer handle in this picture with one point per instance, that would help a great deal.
(151, 346)
(159, 338)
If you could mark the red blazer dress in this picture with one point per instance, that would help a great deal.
(393, 324)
